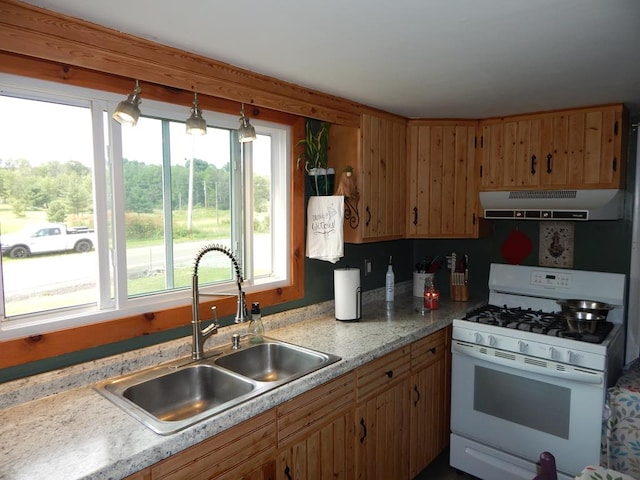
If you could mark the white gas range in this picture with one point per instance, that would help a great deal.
(524, 382)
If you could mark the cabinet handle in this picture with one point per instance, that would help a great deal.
(615, 164)
(549, 169)
(364, 430)
(287, 473)
(533, 164)
(415, 215)
(433, 350)
(368, 216)
(415, 389)
(389, 373)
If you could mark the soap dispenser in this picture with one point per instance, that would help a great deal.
(256, 327)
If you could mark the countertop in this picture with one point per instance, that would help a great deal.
(56, 426)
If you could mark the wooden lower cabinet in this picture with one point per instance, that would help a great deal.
(246, 451)
(382, 417)
(430, 387)
(388, 419)
(315, 433)
(382, 445)
(141, 475)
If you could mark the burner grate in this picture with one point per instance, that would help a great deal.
(535, 321)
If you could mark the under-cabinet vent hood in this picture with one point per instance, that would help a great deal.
(554, 204)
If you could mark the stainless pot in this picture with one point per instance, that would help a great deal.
(583, 322)
(584, 316)
(572, 305)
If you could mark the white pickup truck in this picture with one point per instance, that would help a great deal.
(47, 238)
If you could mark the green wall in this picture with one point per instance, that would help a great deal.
(598, 245)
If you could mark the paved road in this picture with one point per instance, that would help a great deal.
(51, 273)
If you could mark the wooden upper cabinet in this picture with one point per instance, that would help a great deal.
(442, 179)
(573, 149)
(377, 153)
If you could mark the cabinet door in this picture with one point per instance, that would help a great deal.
(429, 400)
(596, 159)
(442, 180)
(141, 475)
(324, 454)
(377, 153)
(382, 444)
(571, 149)
(383, 167)
(315, 432)
(492, 166)
(381, 420)
(244, 451)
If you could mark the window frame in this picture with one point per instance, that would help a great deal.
(160, 318)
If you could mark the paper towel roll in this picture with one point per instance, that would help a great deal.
(346, 282)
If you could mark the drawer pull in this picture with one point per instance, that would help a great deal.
(415, 389)
(364, 430)
(287, 473)
(389, 373)
(433, 350)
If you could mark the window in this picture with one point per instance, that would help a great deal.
(99, 221)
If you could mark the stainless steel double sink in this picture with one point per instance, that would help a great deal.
(175, 395)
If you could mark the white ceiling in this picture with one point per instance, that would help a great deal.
(416, 58)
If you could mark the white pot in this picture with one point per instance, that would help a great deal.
(321, 171)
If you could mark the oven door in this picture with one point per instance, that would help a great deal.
(521, 406)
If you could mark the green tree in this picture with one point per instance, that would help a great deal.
(57, 212)
(261, 194)
(77, 198)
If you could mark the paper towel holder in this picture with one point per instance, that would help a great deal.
(348, 297)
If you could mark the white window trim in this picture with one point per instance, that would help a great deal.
(106, 309)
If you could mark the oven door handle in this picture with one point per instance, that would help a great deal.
(596, 378)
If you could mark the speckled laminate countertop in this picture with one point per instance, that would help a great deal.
(56, 426)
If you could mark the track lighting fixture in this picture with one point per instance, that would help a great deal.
(128, 110)
(196, 124)
(246, 132)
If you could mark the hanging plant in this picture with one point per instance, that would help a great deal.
(315, 157)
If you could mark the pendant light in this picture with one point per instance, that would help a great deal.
(246, 132)
(128, 110)
(196, 124)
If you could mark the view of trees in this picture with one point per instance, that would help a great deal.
(64, 189)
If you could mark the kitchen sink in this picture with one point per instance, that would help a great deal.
(175, 395)
(187, 392)
(271, 362)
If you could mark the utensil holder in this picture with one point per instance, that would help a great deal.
(459, 290)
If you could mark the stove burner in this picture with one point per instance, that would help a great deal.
(535, 321)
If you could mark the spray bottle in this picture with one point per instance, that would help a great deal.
(389, 292)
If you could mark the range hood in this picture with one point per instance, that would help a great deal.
(579, 205)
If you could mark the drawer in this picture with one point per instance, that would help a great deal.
(380, 374)
(429, 349)
(311, 410)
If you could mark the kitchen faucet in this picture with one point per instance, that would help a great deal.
(199, 335)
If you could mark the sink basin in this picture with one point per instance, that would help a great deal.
(178, 394)
(271, 362)
(186, 392)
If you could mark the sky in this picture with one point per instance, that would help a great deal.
(41, 131)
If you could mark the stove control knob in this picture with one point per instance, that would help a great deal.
(552, 353)
(522, 346)
(492, 340)
(478, 338)
(571, 357)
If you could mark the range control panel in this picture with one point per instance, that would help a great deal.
(549, 279)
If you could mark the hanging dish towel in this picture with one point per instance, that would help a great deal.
(325, 216)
